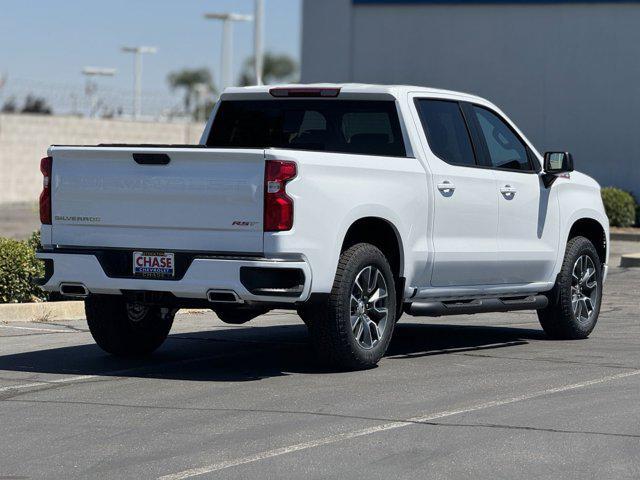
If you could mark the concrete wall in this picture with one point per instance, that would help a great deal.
(24, 140)
(567, 74)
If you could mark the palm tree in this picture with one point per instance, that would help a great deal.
(275, 69)
(193, 81)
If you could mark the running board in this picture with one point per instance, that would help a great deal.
(478, 305)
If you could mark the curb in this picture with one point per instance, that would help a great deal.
(41, 312)
(625, 236)
(630, 260)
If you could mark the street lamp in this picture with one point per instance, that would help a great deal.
(91, 87)
(137, 75)
(227, 39)
(258, 40)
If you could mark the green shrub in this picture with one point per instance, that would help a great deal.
(620, 207)
(18, 268)
(637, 211)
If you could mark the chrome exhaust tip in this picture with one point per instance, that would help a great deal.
(223, 296)
(76, 290)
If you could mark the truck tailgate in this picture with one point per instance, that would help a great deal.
(202, 199)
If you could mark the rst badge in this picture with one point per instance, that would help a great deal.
(153, 264)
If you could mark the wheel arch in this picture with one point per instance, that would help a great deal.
(382, 234)
(594, 231)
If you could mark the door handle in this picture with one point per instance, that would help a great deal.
(446, 187)
(508, 190)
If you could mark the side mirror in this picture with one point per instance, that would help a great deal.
(556, 163)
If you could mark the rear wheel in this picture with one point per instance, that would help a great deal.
(125, 328)
(353, 327)
(575, 300)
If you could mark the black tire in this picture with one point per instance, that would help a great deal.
(305, 313)
(329, 322)
(126, 329)
(559, 320)
(238, 315)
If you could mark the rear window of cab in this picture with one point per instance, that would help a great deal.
(370, 127)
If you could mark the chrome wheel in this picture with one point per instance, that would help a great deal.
(369, 307)
(584, 289)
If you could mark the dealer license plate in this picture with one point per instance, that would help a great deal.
(153, 264)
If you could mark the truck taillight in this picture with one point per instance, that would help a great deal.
(45, 196)
(278, 206)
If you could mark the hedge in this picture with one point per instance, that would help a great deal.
(18, 268)
(620, 207)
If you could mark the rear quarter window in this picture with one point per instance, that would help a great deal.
(342, 126)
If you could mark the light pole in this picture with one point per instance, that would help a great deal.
(258, 40)
(90, 87)
(137, 76)
(227, 42)
(202, 90)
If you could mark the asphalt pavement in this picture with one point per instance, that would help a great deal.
(468, 397)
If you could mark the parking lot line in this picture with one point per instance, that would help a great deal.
(185, 361)
(79, 378)
(38, 329)
(193, 472)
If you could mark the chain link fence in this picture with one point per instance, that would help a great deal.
(93, 98)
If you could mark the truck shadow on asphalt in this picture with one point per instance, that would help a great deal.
(254, 353)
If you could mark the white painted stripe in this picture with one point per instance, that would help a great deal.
(39, 329)
(115, 373)
(11, 388)
(193, 472)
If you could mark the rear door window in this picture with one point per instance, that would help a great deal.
(446, 131)
(343, 126)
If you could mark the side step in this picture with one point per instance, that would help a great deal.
(478, 305)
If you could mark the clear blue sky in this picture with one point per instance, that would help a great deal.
(45, 43)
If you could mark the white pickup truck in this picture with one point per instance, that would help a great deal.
(348, 203)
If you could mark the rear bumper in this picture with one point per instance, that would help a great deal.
(244, 276)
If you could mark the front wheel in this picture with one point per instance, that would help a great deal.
(353, 327)
(127, 329)
(574, 303)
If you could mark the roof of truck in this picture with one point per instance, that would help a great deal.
(352, 88)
